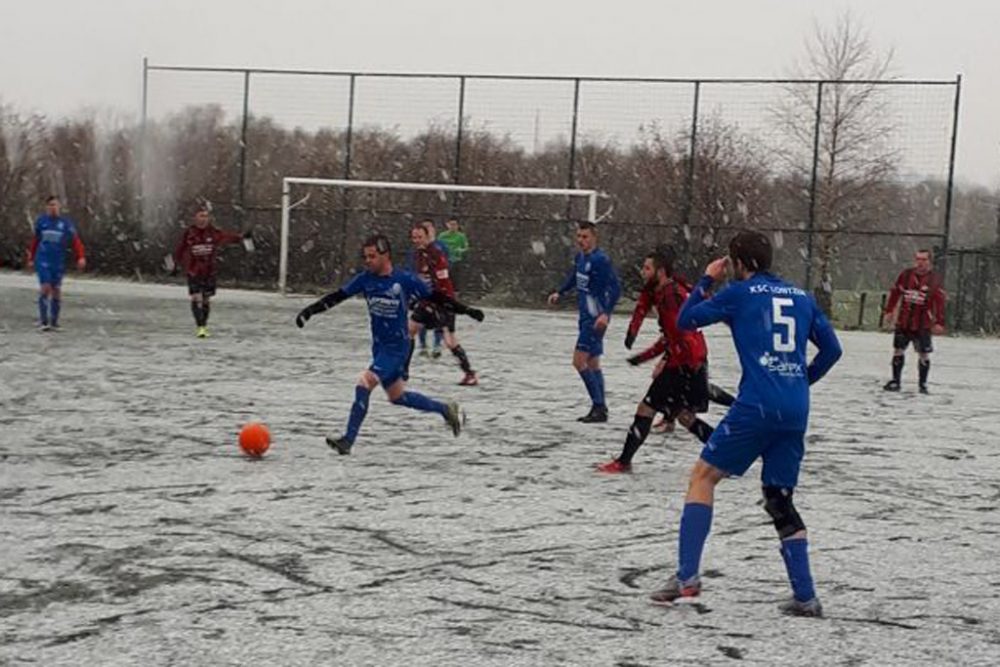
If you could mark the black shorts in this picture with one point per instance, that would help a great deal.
(204, 285)
(677, 389)
(433, 316)
(921, 341)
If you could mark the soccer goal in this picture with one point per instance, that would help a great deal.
(287, 204)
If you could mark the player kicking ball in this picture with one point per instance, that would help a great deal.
(388, 291)
(772, 322)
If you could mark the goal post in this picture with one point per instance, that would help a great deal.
(287, 205)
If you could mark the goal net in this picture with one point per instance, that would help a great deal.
(324, 227)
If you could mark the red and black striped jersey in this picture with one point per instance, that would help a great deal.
(432, 267)
(682, 348)
(921, 300)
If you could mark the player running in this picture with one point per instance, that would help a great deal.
(680, 382)
(597, 290)
(431, 266)
(196, 252)
(388, 291)
(53, 235)
(646, 302)
(772, 322)
(921, 300)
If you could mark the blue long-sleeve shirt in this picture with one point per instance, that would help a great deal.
(772, 322)
(596, 284)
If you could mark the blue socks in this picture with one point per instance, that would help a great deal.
(795, 553)
(43, 310)
(696, 522)
(438, 338)
(412, 399)
(594, 382)
(599, 386)
(358, 411)
(54, 317)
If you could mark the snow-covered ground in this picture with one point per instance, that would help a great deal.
(132, 530)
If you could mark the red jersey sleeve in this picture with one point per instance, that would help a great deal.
(78, 247)
(642, 306)
(896, 292)
(33, 248)
(654, 350)
(180, 252)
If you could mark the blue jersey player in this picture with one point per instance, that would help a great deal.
(772, 322)
(388, 292)
(597, 291)
(54, 234)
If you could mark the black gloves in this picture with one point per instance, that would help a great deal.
(635, 359)
(477, 314)
(629, 340)
(326, 303)
(303, 317)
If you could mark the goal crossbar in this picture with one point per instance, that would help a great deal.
(287, 206)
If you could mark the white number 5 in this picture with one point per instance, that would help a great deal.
(787, 345)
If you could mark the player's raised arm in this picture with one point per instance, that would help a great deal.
(700, 310)
(325, 303)
(825, 339)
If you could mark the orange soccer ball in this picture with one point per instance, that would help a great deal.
(255, 439)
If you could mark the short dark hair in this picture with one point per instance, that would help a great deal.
(586, 224)
(51, 198)
(927, 251)
(378, 241)
(753, 250)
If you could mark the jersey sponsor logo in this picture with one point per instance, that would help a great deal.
(384, 306)
(52, 236)
(773, 364)
(396, 289)
(202, 249)
(582, 280)
(916, 296)
(764, 288)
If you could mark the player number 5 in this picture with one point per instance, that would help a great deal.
(787, 344)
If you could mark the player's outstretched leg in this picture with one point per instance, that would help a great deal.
(637, 434)
(451, 413)
(698, 427)
(359, 409)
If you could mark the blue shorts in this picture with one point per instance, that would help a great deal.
(744, 434)
(389, 364)
(590, 339)
(49, 274)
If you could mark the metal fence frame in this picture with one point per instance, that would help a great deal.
(943, 237)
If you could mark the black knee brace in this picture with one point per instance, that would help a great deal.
(778, 504)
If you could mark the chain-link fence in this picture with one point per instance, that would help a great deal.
(848, 177)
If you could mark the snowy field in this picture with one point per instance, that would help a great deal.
(133, 532)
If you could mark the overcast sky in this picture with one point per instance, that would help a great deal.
(59, 56)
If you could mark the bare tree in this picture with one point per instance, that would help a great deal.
(856, 157)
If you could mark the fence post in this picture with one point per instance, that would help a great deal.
(960, 293)
(951, 177)
(881, 310)
(689, 178)
(457, 172)
(861, 310)
(348, 154)
(571, 180)
(241, 194)
(811, 222)
(142, 141)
